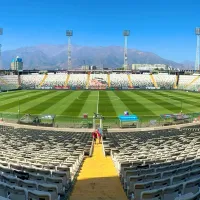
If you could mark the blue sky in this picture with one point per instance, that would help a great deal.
(164, 27)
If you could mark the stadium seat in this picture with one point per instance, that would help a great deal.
(38, 195)
(152, 195)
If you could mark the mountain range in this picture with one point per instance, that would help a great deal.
(55, 57)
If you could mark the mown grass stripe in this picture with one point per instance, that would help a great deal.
(76, 106)
(161, 102)
(24, 100)
(105, 105)
(14, 95)
(191, 94)
(183, 96)
(133, 105)
(39, 108)
(155, 108)
(180, 99)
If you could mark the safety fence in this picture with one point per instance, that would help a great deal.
(62, 121)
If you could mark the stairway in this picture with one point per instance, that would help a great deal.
(193, 81)
(43, 80)
(3, 81)
(108, 80)
(67, 80)
(129, 81)
(98, 179)
(88, 80)
(176, 82)
(153, 81)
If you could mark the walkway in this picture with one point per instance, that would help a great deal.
(98, 179)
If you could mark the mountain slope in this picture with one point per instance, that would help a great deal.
(55, 56)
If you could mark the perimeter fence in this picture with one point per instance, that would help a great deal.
(62, 121)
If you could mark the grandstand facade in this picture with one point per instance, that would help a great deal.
(54, 163)
(76, 80)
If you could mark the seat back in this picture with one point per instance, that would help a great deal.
(133, 180)
(16, 193)
(58, 182)
(192, 186)
(29, 185)
(151, 177)
(52, 189)
(152, 195)
(180, 178)
(171, 192)
(139, 188)
(162, 183)
(37, 178)
(62, 174)
(3, 189)
(38, 195)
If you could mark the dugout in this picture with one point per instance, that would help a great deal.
(40, 120)
(128, 121)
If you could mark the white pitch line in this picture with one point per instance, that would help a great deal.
(98, 103)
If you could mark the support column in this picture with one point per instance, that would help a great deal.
(101, 123)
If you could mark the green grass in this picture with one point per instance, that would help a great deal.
(66, 104)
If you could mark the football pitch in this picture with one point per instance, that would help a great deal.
(108, 103)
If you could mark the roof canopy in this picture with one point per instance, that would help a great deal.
(128, 118)
(50, 117)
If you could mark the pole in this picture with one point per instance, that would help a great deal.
(125, 53)
(197, 53)
(69, 53)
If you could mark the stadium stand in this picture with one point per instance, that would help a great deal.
(55, 80)
(165, 81)
(9, 82)
(187, 82)
(39, 164)
(141, 81)
(77, 81)
(103, 81)
(164, 164)
(119, 80)
(31, 81)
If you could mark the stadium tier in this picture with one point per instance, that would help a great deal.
(88, 153)
(9, 82)
(162, 164)
(99, 81)
(52, 164)
(39, 164)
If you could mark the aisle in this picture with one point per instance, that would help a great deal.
(98, 179)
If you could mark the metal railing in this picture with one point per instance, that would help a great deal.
(62, 121)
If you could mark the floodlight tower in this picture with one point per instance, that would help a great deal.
(126, 33)
(69, 34)
(1, 33)
(197, 32)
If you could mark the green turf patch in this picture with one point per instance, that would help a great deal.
(161, 102)
(180, 99)
(133, 104)
(105, 105)
(24, 100)
(70, 105)
(13, 95)
(76, 106)
(41, 107)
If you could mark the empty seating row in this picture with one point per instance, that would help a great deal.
(159, 158)
(36, 159)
